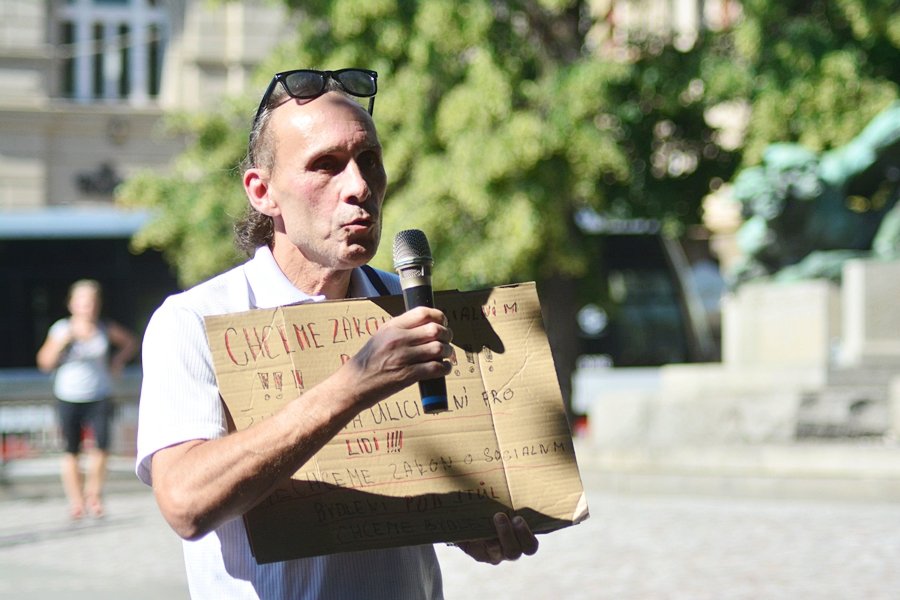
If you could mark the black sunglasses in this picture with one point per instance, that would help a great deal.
(310, 83)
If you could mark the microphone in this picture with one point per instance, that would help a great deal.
(413, 262)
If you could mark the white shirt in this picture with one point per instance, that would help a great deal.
(83, 371)
(180, 402)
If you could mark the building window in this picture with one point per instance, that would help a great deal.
(111, 50)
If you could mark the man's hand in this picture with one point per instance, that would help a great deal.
(514, 538)
(411, 347)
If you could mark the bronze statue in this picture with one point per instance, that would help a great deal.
(806, 214)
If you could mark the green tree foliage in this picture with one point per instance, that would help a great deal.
(815, 72)
(197, 203)
(499, 123)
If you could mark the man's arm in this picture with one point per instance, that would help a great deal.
(200, 484)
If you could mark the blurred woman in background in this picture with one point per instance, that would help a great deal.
(86, 353)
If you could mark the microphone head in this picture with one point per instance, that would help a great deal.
(411, 250)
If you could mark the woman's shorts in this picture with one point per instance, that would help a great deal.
(75, 416)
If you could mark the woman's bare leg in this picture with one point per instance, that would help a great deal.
(72, 481)
(96, 479)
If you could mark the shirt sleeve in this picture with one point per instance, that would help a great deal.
(179, 396)
(58, 329)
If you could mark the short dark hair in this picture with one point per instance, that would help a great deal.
(255, 229)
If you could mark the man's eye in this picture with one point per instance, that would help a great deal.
(369, 160)
(328, 164)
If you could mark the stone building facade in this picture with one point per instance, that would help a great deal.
(84, 85)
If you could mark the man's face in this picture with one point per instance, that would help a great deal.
(328, 182)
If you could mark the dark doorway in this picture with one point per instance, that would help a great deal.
(36, 275)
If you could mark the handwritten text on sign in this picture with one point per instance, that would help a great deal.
(395, 475)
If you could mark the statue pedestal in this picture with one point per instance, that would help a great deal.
(804, 363)
(871, 316)
(781, 324)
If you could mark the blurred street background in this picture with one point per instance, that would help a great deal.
(705, 191)
(729, 539)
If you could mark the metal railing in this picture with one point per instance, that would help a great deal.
(28, 419)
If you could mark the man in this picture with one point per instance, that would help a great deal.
(315, 182)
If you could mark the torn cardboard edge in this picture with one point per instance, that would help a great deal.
(396, 476)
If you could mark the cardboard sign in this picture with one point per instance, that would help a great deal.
(396, 476)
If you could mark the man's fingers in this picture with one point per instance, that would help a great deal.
(527, 540)
(425, 325)
(510, 547)
(419, 316)
(514, 538)
(486, 551)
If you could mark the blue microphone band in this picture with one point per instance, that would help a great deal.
(433, 404)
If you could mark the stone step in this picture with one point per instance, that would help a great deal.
(868, 376)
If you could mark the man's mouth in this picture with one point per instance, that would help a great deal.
(360, 223)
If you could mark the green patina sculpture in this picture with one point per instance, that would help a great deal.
(807, 213)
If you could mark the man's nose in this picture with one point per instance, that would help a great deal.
(356, 188)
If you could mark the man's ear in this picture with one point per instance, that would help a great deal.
(256, 185)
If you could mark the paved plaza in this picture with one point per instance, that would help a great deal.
(647, 545)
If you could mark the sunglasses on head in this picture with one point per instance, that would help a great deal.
(310, 83)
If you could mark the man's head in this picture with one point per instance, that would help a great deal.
(256, 229)
(315, 175)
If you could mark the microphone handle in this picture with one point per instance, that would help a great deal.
(420, 295)
(432, 391)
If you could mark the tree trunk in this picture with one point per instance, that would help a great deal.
(558, 307)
